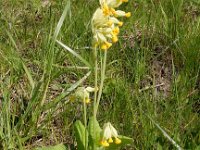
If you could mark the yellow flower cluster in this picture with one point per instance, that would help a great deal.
(83, 94)
(108, 133)
(105, 25)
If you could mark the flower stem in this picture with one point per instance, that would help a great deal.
(103, 69)
(95, 81)
(85, 122)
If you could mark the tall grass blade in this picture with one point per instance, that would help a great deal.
(164, 133)
(50, 56)
(27, 71)
(74, 53)
(62, 18)
(30, 78)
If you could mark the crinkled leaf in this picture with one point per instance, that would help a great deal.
(81, 135)
(94, 133)
(57, 147)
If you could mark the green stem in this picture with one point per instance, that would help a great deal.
(85, 122)
(95, 81)
(103, 69)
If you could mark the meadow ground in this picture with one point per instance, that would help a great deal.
(152, 80)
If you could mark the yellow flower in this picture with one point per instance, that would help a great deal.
(108, 133)
(103, 36)
(114, 39)
(106, 9)
(120, 23)
(105, 25)
(111, 3)
(115, 30)
(99, 19)
(112, 10)
(110, 140)
(108, 6)
(106, 45)
(84, 94)
(104, 143)
(117, 141)
(128, 14)
(116, 21)
(120, 13)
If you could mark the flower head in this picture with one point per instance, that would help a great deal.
(105, 25)
(99, 19)
(108, 134)
(112, 3)
(84, 93)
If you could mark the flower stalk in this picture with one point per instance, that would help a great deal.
(105, 28)
(95, 81)
(103, 69)
(85, 122)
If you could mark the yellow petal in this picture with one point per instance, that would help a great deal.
(114, 39)
(108, 44)
(112, 10)
(117, 141)
(110, 140)
(116, 31)
(106, 10)
(104, 47)
(104, 143)
(128, 14)
(120, 23)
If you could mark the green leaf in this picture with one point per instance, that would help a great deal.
(57, 147)
(61, 21)
(28, 73)
(94, 133)
(81, 135)
(198, 147)
(74, 53)
(125, 140)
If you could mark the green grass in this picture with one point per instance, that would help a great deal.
(152, 73)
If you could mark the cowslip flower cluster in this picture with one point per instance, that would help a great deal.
(108, 134)
(105, 25)
(83, 93)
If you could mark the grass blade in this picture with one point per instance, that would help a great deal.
(28, 73)
(60, 22)
(165, 133)
(61, 97)
(74, 53)
(51, 53)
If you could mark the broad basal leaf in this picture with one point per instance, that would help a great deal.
(57, 147)
(81, 135)
(94, 133)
